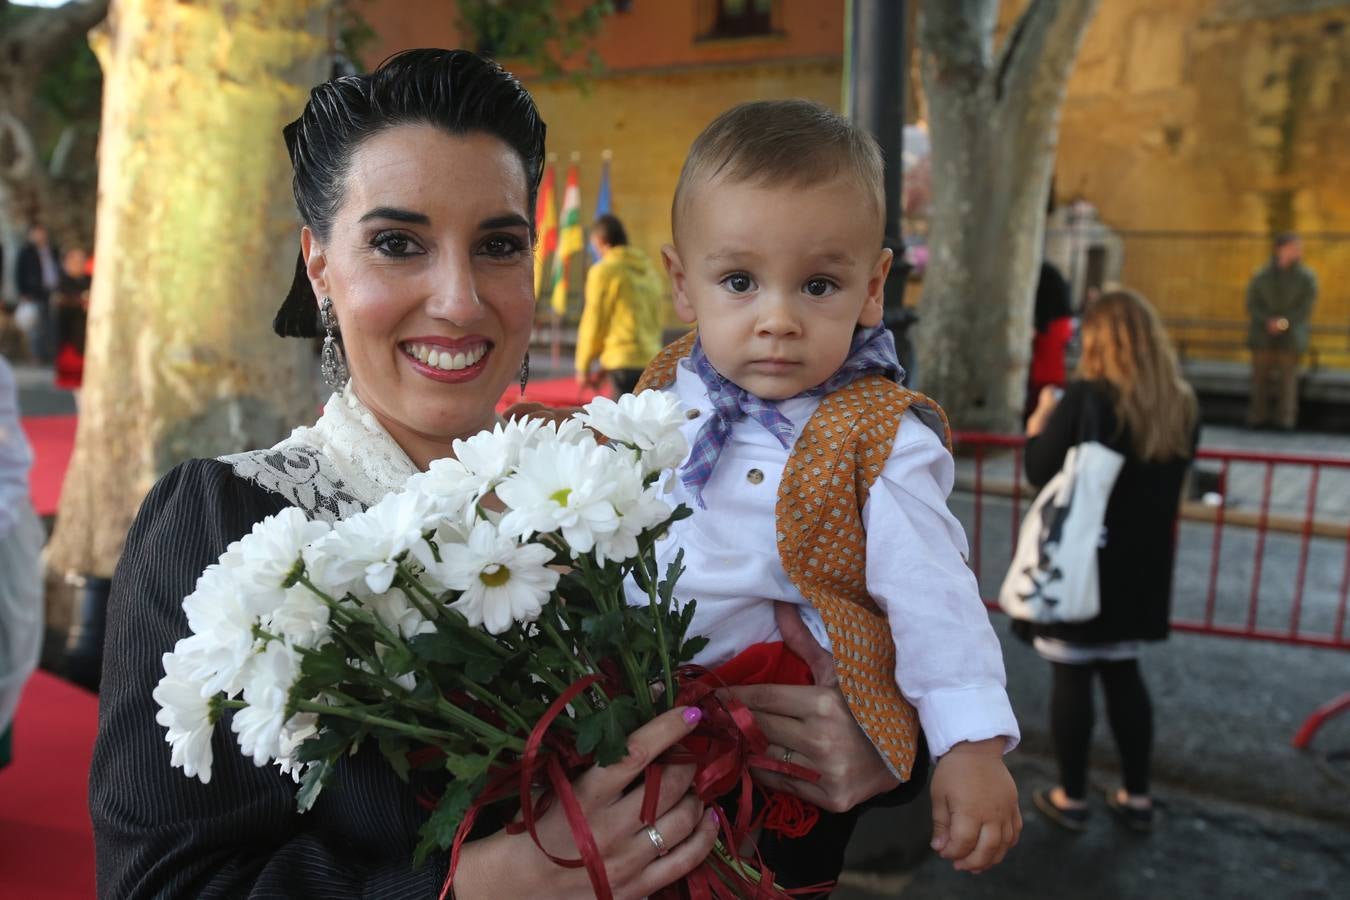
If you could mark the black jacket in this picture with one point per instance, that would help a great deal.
(28, 272)
(1135, 565)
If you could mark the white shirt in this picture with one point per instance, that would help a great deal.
(16, 457)
(948, 660)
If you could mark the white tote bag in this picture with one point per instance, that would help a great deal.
(1053, 576)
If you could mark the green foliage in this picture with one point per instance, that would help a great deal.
(535, 32)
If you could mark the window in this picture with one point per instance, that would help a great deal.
(741, 18)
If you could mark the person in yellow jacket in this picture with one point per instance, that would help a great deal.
(621, 321)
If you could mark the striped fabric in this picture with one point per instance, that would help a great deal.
(160, 834)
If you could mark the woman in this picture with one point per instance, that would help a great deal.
(1053, 318)
(1128, 393)
(72, 308)
(416, 186)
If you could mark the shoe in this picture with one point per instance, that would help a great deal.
(1074, 820)
(1135, 819)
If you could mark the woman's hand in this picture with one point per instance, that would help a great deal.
(1045, 405)
(512, 866)
(813, 727)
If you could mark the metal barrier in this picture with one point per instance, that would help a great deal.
(1229, 543)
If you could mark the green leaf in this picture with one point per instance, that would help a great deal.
(691, 648)
(312, 782)
(468, 766)
(606, 628)
(395, 749)
(438, 832)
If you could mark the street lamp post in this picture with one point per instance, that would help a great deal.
(877, 66)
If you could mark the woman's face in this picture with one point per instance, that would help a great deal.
(431, 274)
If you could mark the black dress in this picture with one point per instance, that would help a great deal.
(1135, 565)
(159, 833)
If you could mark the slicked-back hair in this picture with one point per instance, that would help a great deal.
(454, 90)
(791, 143)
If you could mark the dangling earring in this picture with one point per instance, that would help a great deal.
(524, 373)
(332, 364)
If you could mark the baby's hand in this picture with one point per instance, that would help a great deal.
(975, 815)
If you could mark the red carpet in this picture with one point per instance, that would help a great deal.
(46, 843)
(53, 437)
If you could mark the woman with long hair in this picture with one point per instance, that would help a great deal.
(1129, 394)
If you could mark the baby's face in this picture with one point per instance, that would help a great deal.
(777, 279)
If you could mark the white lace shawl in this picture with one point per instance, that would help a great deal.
(342, 464)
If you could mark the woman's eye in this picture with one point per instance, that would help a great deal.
(502, 246)
(739, 283)
(392, 243)
(820, 287)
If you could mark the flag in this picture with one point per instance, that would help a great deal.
(570, 237)
(602, 199)
(546, 222)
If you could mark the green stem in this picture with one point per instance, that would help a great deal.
(659, 617)
(641, 690)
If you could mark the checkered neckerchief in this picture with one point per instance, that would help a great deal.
(872, 352)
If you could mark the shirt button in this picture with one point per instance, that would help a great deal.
(754, 476)
(691, 414)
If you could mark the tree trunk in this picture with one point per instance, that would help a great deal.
(994, 125)
(195, 248)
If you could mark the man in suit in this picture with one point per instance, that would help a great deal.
(37, 275)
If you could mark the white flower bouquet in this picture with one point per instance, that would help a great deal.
(472, 626)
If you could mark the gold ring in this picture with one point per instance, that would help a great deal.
(657, 841)
(787, 754)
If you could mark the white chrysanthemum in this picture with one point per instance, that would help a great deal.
(562, 487)
(453, 488)
(648, 422)
(185, 710)
(259, 725)
(267, 554)
(298, 729)
(360, 554)
(301, 619)
(396, 613)
(639, 508)
(503, 581)
(222, 614)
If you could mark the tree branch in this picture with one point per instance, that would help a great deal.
(957, 38)
(38, 38)
(1040, 51)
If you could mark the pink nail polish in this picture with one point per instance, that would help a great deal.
(693, 715)
(714, 817)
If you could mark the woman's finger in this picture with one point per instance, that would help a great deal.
(796, 701)
(675, 781)
(785, 731)
(603, 785)
(683, 858)
(781, 753)
(680, 821)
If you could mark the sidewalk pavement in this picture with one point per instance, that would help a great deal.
(1202, 847)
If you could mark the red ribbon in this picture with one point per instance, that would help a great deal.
(724, 747)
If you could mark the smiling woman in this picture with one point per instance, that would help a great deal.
(415, 185)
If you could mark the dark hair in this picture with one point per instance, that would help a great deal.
(1284, 239)
(610, 229)
(454, 90)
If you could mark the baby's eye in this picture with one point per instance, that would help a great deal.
(394, 244)
(820, 287)
(738, 283)
(502, 246)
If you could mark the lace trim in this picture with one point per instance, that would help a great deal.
(341, 465)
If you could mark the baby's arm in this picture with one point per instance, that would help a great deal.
(948, 660)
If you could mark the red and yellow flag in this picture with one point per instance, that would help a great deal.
(546, 223)
(571, 239)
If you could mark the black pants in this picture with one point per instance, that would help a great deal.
(1127, 709)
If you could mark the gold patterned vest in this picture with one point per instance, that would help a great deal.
(822, 544)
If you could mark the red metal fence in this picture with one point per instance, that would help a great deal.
(1264, 555)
